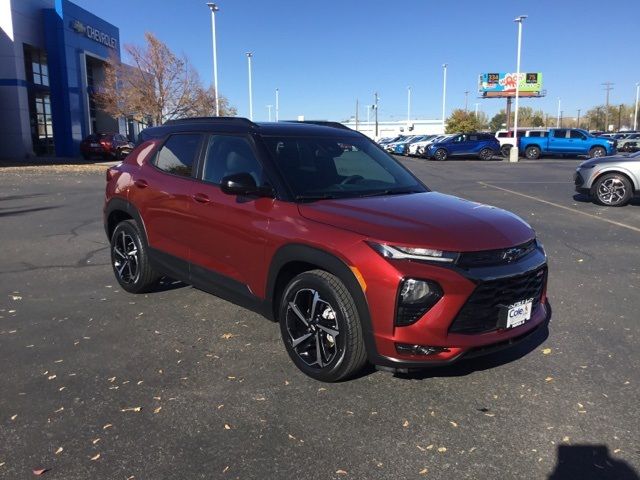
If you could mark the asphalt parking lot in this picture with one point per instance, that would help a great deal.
(98, 383)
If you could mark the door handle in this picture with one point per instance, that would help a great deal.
(200, 198)
(140, 183)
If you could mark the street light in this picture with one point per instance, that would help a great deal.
(444, 94)
(635, 117)
(214, 8)
(269, 107)
(249, 56)
(408, 106)
(513, 153)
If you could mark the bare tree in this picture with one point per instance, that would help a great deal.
(158, 85)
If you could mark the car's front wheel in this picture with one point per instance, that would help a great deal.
(130, 259)
(597, 152)
(321, 328)
(613, 190)
(440, 154)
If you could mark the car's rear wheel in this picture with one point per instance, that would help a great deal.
(613, 190)
(486, 154)
(321, 328)
(597, 152)
(505, 149)
(440, 154)
(532, 152)
(130, 259)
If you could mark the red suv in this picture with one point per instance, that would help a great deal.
(316, 227)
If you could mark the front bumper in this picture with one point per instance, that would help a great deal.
(434, 329)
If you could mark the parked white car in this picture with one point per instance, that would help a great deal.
(422, 146)
(506, 137)
(413, 147)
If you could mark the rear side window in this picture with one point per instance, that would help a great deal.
(578, 135)
(559, 134)
(178, 153)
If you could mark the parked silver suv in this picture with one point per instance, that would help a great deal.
(610, 181)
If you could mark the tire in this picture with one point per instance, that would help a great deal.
(532, 152)
(597, 152)
(308, 334)
(440, 155)
(130, 259)
(612, 190)
(485, 154)
(505, 149)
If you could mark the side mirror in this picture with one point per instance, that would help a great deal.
(244, 184)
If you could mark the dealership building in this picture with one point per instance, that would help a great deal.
(52, 57)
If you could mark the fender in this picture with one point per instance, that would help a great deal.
(120, 204)
(618, 169)
(332, 264)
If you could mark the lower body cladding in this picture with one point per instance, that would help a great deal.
(476, 311)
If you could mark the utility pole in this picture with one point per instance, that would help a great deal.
(375, 106)
(408, 107)
(444, 95)
(578, 123)
(620, 116)
(277, 104)
(558, 118)
(269, 108)
(608, 86)
(466, 100)
(598, 118)
(635, 116)
(477, 104)
(249, 56)
(561, 112)
(214, 8)
(357, 108)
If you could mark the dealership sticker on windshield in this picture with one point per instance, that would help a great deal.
(518, 313)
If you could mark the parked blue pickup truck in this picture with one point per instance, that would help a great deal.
(567, 141)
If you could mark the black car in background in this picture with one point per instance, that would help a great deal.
(106, 145)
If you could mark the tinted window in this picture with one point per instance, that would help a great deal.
(177, 154)
(559, 133)
(578, 135)
(228, 155)
(472, 138)
(502, 134)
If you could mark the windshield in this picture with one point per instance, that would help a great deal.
(318, 168)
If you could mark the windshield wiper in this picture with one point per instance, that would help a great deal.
(312, 197)
(382, 193)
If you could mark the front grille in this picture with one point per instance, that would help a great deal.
(578, 180)
(501, 256)
(481, 311)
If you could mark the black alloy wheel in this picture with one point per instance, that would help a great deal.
(130, 260)
(320, 327)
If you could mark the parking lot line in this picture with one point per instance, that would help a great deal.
(541, 200)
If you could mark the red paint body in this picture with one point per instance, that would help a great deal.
(198, 223)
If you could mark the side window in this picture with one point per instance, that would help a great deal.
(472, 138)
(578, 135)
(228, 155)
(559, 134)
(177, 154)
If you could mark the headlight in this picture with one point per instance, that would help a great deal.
(414, 253)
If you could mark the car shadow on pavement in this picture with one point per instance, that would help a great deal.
(485, 362)
(590, 462)
(166, 284)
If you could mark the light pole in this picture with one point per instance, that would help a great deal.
(277, 104)
(558, 117)
(444, 94)
(635, 117)
(375, 106)
(513, 153)
(408, 106)
(466, 100)
(477, 105)
(214, 8)
(249, 56)
(269, 108)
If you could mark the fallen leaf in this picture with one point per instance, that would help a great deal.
(13, 417)
(227, 336)
(423, 471)
(95, 440)
(617, 450)
(442, 449)
(405, 424)
(59, 450)
(58, 361)
(40, 471)
(112, 379)
(225, 469)
(131, 409)
(58, 410)
(341, 472)
(548, 379)
(51, 377)
(291, 436)
(546, 351)
(565, 439)
(454, 424)
(108, 425)
(95, 457)
(157, 410)
(420, 448)
(227, 427)
(429, 447)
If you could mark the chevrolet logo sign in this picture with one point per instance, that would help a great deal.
(78, 26)
(511, 254)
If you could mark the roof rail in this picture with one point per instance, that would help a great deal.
(324, 123)
(227, 120)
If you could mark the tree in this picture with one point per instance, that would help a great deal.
(461, 121)
(498, 121)
(158, 85)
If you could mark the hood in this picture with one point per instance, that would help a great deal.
(620, 157)
(429, 219)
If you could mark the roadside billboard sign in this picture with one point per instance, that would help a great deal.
(504, 84)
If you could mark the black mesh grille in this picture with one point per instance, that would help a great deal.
(502, 256)
(578, 180)
(481, 311)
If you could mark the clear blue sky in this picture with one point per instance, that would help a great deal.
(322, 55)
